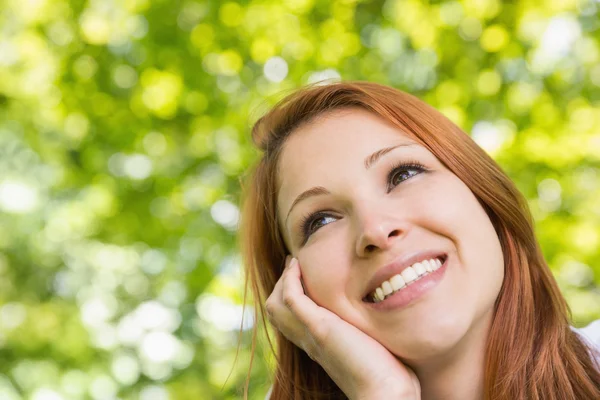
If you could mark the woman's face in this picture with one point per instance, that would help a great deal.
(363, 220)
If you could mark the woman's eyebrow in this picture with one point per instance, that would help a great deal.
(373, 158)
(315, 191)
(320, 190)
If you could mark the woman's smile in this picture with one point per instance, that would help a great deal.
(408, 285)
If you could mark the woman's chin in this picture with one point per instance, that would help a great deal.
(428, 344)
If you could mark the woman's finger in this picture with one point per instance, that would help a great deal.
(303, 308)
(280, 315)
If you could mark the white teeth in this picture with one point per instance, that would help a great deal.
(387, 288)
(397, 282)
(419, 269)
(407, 276)
(376, 297)
(428, 265)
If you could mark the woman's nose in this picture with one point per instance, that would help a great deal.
(378, 232)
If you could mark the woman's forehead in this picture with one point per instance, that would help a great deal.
(345, 135)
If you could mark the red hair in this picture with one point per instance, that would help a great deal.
(531, 351)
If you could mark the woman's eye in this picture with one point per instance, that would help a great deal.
(402, 173)
(313, 222)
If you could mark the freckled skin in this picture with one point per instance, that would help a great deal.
(433, 209)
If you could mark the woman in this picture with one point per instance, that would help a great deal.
(397, 259)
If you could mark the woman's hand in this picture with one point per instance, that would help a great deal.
(357, 363)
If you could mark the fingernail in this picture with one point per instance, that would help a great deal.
(293, 262)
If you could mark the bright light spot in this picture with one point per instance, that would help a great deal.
(154, 392)
(126, 369)
(7, 390)
(85, 67)
(549, 190)
(212, 175)
(153, 261)
(76, 125)
(557, 42)
(427, 57)
(95, 28)
(232, 267)
(231, 14)
(229, 63)
(113, 258)
(137, 26)
(137, 285)
(494, 38)
(584, 236)
(137, 166)
(60, 33)
(223, 314)
(470, 28)
(489, 82)
(154, 315)
(299, 6)
(491, 137)
(155, 143)
(184, 356)
(522, 95)
(324, 77)
(104, 337)
(17, 197)
(173, 293)
(560, 35)
(190, 14)
(115, 164)
(9, 54)
(161, 92)
(196, 195)
(74, 383)
(390, 41)
(275, 69)
(451, 13)
(97, 310)
(103, 387)
(576, 273)
(157, 371)
(159, 347)
(46, 394)
(225, 214)
(125, 76)
(228, 84)
(129, 330)
(587, 178)
(12, 315)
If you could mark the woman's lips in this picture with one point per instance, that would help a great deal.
(412, 291)
(398, 265)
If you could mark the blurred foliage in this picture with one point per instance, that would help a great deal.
(124, 131)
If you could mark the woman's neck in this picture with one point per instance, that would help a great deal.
(459, 374)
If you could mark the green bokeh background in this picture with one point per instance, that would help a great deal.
(124, 131)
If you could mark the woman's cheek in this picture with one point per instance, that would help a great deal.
(322, 266)
(444, 204)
